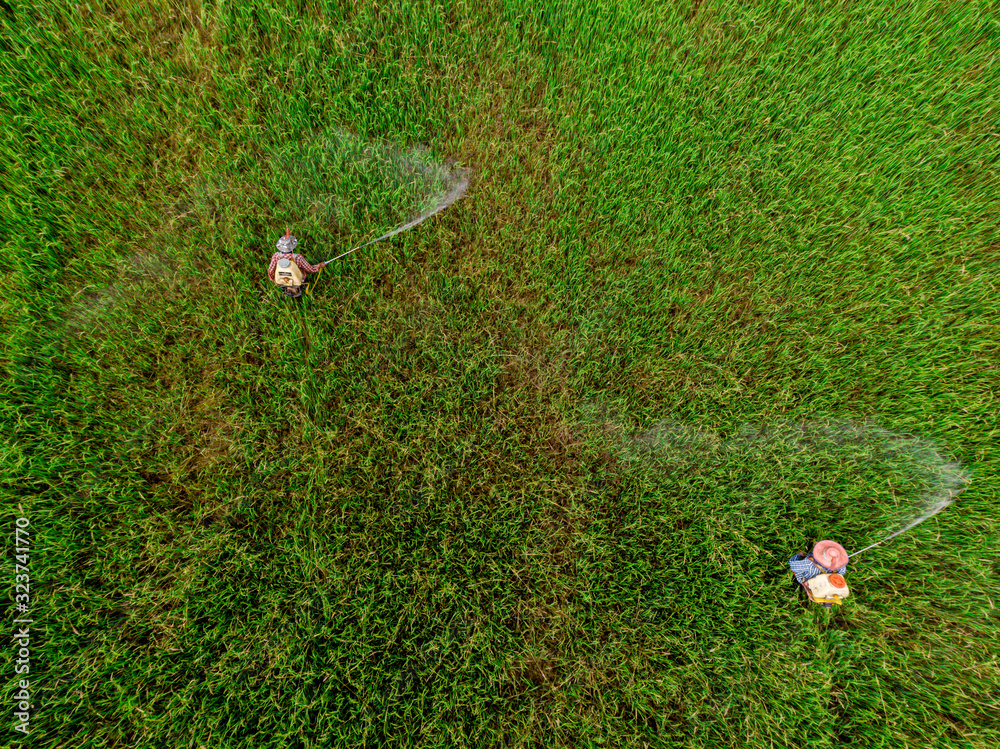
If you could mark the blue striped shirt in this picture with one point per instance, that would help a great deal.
(803, 567)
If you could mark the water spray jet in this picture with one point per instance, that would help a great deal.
(440, 185)
(933, 511)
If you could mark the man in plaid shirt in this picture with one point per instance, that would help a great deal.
(290, 280)
(826, 557)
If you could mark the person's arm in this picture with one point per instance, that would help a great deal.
(304, 265)
(271, 268)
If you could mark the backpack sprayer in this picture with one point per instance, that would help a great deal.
(287, 273)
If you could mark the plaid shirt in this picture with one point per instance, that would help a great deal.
(296, 257)
(804, 568)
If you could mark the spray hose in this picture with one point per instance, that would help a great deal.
(313, 283)
(355, 249)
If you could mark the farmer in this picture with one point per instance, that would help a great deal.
(829, 559)
(288, 269)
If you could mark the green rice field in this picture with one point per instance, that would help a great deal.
(724, 282)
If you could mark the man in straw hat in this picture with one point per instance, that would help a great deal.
(821, 572)
(288, 269)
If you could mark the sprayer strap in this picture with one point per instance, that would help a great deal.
(823, 566)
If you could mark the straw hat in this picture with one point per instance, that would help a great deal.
(287, 243)
(830, 554)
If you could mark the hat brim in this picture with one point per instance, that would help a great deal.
(830, 554)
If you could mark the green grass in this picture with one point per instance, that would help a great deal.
(495, 482)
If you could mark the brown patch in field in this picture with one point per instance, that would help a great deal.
(187, 32)
(212, 442)
(197, 50)
(545, 618)
(744, 302)
(515, 138)
(165, 570)
(532, 384)
(156, 267)
(209, 430)
(152, 270)
(536, 372)
(538, 670)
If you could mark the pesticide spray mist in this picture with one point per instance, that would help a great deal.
(459, 182)
(338, 179)
(946, 481)
(896, 459)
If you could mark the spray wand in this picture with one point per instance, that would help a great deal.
(456, 191)
(384, 236)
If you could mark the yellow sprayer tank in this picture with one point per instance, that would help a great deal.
(831, 588)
